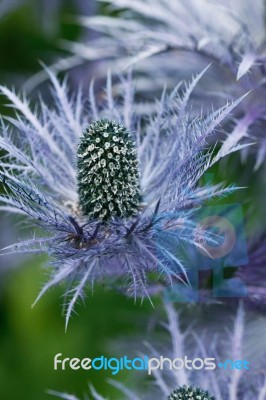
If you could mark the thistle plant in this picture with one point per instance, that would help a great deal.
(235, 341)
(100, 182)
(189, 34)
(190, 393)
(182, 393)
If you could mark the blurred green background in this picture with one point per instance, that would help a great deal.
(30, 32)
(30, 338)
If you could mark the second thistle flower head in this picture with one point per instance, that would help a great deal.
(108, 175)
(190, 393)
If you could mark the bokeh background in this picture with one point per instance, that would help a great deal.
(31, 31)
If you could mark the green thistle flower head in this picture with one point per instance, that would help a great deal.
(190, 393)
(108, 174)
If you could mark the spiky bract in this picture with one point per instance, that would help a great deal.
(40, 170)
(190, 393)
(190, 34)
(108, 176)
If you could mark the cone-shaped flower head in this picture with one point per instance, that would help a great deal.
(190, 393)
(108, 176)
